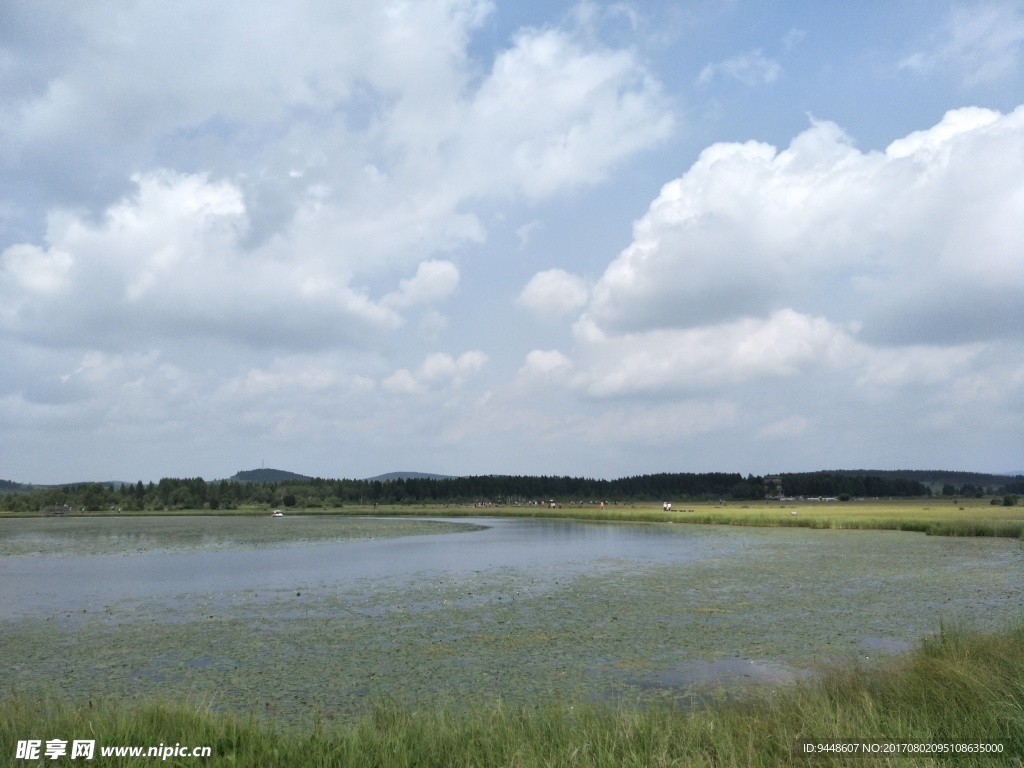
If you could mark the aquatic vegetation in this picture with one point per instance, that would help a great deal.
(759, 604)
(959, 686)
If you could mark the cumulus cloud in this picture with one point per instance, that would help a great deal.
(438, 371)
(917, 244)
(884, 288)
(556, 112)
(376, 104)
(196, 231)
(699, 359)
(167, 262)
(553, 293)
(351, 158)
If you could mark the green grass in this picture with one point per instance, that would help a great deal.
(957, 686)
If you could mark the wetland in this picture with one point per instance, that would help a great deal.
(290, 616)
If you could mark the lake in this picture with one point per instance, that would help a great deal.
(289, 615)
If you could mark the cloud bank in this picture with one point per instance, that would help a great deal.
(819, 276)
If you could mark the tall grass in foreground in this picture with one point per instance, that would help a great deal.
(958, 686)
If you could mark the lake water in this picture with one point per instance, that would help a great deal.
(333, 612)
(155, 557)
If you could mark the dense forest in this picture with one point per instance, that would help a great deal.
(196, 493)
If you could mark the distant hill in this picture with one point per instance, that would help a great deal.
(280, 475)
(9, 486)
(266, 476)
(409, 476)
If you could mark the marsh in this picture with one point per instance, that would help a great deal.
(335, 612)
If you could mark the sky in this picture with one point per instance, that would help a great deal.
(590, 238)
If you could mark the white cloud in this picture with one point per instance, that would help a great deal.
(438, 371)
(553, 293)
(918, 244)
(982, 42)
(525, 232)
(542, 368)
(888, 369)
(752, 68)
(860, 282)
(347, 158)
(34, 270)
(259, 218)
(435, 280)
(543, 362)
(700, 359)
(167, 262)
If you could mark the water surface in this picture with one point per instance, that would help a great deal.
(520, 608)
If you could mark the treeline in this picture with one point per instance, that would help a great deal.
(970, 482)
(854, 486)
(9, 486)
(196, 493)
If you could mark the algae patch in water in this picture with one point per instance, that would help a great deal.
(623, 629)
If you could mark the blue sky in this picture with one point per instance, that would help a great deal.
(471, 237)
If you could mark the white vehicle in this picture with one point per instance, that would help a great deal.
(277, 513)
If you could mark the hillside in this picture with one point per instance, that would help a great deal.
(409, 476)
(266, 476)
